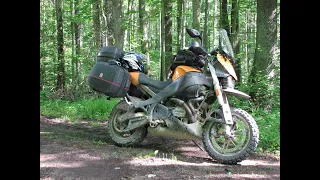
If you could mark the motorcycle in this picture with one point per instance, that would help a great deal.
(191, 104)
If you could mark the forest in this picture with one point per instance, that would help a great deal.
(73, 31)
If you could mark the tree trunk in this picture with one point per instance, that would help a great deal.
(117, 23)
(77, 34)
(205, 28)
(108, 8)
(72, 43)
(142, 25)
(96, 23)
(196, 10)
(168, 34)
(235, 35)
(183, 35)
(162, 34)
(266, 41)
(129, 25)
(224, 20)
(247, 39)
(215, 22)
(143, 29)
(179, 24)
(60, 44)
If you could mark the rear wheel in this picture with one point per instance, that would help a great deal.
(237, 147)
(128, 138)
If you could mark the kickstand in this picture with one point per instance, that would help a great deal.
(200, 146)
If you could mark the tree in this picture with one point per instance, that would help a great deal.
(215, 22)
(235, 33)
(117, 23)
(205, 28)
(168, 34)
(224, 20)
(60, 42)
(266, 42)
(108, 11)
(162, 39)
(77, 34)
(96, 22)
(179, 24)
(196, 9)
(143, 29)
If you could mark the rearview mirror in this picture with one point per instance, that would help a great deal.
(193, 33)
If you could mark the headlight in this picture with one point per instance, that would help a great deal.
(227, 82)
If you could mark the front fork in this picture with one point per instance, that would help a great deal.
(222, 100)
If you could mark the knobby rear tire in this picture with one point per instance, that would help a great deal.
(132, 138)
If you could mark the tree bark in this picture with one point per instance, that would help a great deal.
(235, 35)
(215, 22)
(179, 24)
(224, 20)
(108, 9)
(266, 43)
(77, 34)
(60, 45)
(205, 28)
(117, 23)
(162, 34)
(266, 39)
(96, 23)
(168, 34)
(143, 29)
(183, 35)
(196, 9)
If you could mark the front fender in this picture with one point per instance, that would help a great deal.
(237, 93)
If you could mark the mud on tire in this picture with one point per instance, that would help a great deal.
(238, 152)
(126, 139)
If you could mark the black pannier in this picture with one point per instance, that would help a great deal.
(109, 53)
(109, 78)
(188, 58)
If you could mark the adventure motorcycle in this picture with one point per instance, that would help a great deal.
(181, 107)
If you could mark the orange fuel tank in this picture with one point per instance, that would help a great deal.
(181, 70)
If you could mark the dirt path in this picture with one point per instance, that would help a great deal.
(83, 151)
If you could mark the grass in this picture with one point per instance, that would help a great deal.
(89, 108)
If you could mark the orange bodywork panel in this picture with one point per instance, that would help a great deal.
(134, 78)
(227, 64)
(181, 70)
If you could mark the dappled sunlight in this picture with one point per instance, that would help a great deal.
(154, 161)
(260, 162)
(67, 160)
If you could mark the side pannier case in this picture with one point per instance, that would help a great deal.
(109, 78)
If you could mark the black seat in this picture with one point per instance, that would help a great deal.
(159, 85)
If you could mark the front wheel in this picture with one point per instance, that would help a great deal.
(237, 147)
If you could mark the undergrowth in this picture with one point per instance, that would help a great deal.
(96, 107)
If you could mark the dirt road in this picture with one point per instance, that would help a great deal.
(83, 151)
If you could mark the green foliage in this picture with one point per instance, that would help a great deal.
(269, 126)
(265, 109)
(90, 108)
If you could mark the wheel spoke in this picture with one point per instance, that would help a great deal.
(227, 144)
(233, 142)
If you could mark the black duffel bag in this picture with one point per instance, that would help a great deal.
(109, 78)
(107, 53)
(188, 58)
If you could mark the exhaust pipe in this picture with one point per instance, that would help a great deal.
(167, 132)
